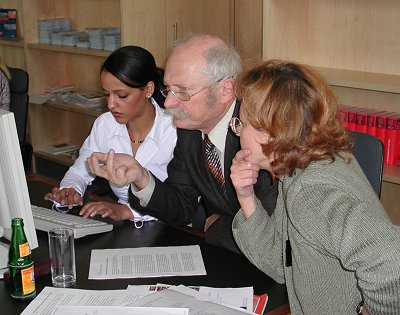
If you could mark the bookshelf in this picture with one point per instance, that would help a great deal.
(352, 44)
(153, 24)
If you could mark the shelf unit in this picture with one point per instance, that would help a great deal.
(152, 24)
(354, 46)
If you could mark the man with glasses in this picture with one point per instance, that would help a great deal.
(199, 77)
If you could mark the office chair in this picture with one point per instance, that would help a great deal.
(19, 101)
(368, 151)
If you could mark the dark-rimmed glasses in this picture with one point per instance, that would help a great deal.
(236, 125)
(185, 96)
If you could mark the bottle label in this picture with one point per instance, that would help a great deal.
(24, 250)
(28, 280)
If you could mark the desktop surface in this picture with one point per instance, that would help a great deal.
(224, 269)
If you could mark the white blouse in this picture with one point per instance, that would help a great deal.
(154, 153)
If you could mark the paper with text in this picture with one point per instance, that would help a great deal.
(46, 302)
(182, 296)
(146, 262)
(242, 297)
(120, 310)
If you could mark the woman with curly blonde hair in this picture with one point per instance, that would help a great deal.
(329, 239)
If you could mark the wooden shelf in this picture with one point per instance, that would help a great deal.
(391, 174)
(18, 42)
(361, 80)
(76, 109)
(70, 50)
(57, 158)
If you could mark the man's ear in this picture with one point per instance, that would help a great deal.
(228, 90)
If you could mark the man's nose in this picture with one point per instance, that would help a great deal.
(171, 100)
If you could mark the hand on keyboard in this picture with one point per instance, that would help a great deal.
(47, 219)
(115, 211)
(61, 208)
(65, 197)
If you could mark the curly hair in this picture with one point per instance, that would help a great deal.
(295, 105)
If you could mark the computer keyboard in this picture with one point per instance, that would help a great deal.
(47, 219)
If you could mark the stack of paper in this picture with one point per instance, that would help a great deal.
(143, 299)
(147, 299)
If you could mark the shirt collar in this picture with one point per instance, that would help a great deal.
(156, 132)
(218, 134)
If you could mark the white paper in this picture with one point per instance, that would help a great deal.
(146, 262)
(120, 310)
(40, 99)
(49, 298)
(237, 297)
(182, 296)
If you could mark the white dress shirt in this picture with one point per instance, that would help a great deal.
(154, 153)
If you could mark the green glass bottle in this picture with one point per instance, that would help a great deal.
(20, 263)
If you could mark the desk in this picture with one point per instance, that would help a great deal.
(224, 269)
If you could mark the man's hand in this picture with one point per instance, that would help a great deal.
(118, 168)
(115, 211)
(65, 196)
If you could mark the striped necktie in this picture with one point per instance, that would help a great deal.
(213, 164)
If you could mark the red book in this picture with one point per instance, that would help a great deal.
(381, 129)
(371, 122)
(361, 120)
(343, 113)
(392, 140)
(351, 118)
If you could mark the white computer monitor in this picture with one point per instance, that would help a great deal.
(14, 196)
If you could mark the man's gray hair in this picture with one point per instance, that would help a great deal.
(222, 59)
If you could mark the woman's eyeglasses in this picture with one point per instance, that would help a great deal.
(236, 125)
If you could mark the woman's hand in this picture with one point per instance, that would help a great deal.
(115, 211)
(65, 196)
(244, 175)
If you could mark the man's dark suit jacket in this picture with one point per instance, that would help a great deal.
(175, 201)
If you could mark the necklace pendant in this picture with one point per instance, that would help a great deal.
(137, 141)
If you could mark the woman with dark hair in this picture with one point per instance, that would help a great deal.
(135, 125)
(329, 238)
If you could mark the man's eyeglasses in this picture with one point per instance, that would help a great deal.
(236, 125)
(185, 96)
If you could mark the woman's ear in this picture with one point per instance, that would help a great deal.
(263, 137)
(149, 89)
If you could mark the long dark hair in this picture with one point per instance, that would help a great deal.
(135, 67)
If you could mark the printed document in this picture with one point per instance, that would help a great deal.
(146, 262)
(120, 310)
(47, 301)
(182, 296)
(238, 297)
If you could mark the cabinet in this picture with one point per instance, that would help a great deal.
(355, 46)
(13, 50)
(153, 24)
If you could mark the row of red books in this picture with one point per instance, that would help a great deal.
(381, 124)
